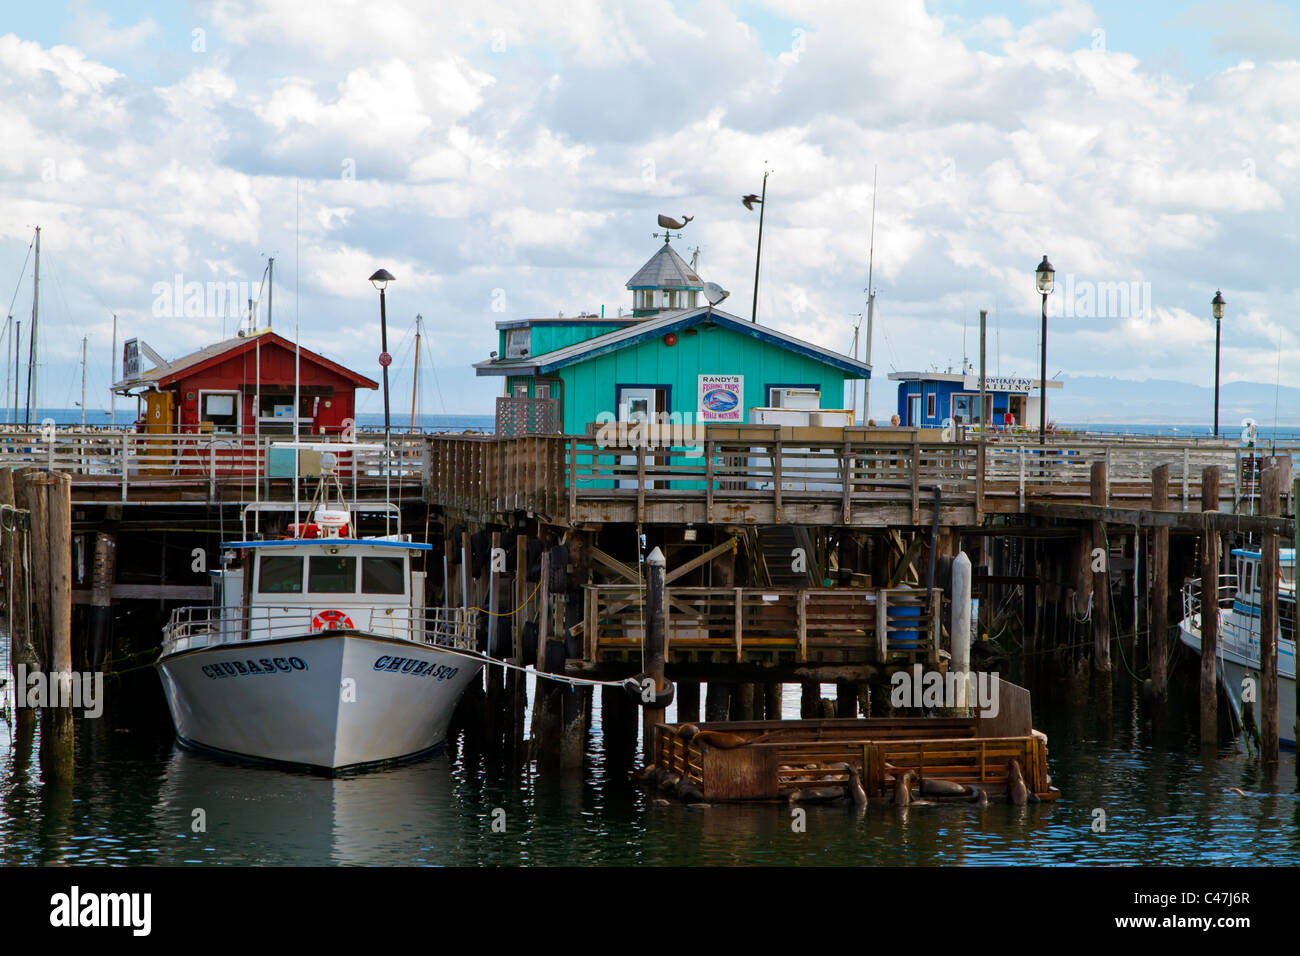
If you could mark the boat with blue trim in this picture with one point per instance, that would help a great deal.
(1239, 634)
(318, 651)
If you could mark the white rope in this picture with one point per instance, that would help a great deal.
(562, 678)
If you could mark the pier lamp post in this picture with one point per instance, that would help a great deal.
(1044, 275)
(1216, 305)
(380, 281)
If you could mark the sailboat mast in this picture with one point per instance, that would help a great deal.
(871, 294)
(83, 381)
(415, 383)
(112, 363)
(31, 352)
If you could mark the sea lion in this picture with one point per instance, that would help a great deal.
(720, 739)
(689, 793)
(856, 790)
(661, 802)
(1238, 791)
(687, 732)
(669, 781)
(647, 774)
(934, 787)
(1017, 791)
(979, 796)
(815, 795)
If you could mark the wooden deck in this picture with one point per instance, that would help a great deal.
(843, 477)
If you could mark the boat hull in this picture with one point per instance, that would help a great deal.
(332, 702)
(1234, 668)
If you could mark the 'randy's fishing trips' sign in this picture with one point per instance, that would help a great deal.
(721, 398)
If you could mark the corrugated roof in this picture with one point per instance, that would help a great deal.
(163, 374)
(666, 270)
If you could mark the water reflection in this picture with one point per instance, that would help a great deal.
(135, 795)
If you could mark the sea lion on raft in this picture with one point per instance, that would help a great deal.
(935, 787)
(647, 774)
(720, 739)
(669, 781)
(1017, 791)
(687, 732)
(816, 795)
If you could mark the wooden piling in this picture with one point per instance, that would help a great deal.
(773, 692)
(1100, 578)
(810, 699)
(717, 701)
(656, 623)
(742, 701)
(846, 699)
(1270, 574)
(688, 701)
(1209, 612)
(1158, 640)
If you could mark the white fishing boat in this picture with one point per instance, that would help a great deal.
(318, 651)
(1239, 632)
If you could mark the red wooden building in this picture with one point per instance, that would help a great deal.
(242, 386)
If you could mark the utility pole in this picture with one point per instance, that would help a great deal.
(270, 289)
(112, 363)
(758, 256)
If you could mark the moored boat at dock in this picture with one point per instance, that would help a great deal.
(318, 651)
(1239, 633)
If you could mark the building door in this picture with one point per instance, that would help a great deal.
(158, 457)
(913, 410)
(641, 404)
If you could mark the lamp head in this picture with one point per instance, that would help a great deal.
(1217, 304)
(381, 279)
(1045, 275)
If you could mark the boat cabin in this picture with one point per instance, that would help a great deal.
(1247, 567)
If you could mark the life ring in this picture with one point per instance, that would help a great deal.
(331, 621)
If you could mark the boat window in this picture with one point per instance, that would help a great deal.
(383, 576)
(277, 574)
(328, 574)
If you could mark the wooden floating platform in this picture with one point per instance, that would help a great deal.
(784, 756)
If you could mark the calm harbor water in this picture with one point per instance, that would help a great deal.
(137, 797)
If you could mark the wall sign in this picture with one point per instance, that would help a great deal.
(721, 398)
(998, 383)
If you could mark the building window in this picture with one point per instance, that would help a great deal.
(930, 406)
(221, 409)
(521, 390)
(670, 300)
(794, 396)
(517, 343)
(542, 390)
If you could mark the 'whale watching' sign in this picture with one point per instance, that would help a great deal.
(720, 398)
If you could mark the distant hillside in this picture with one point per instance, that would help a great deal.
(1084, 399)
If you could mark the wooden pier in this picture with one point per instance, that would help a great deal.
(871, 516)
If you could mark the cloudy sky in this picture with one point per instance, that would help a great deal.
(507, 159)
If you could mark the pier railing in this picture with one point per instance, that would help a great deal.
(123, 465)
(854, 479)
(814, 625)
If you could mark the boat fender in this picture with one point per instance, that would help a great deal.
(534, 560)
(641, 687)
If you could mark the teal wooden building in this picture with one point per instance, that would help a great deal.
(673, 355)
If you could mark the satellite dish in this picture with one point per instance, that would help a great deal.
(714, 293)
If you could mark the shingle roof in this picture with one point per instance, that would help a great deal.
(666, 270)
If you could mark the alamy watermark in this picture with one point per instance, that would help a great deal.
(922, 688)
(658, 430)
(36, 689)
(176, 298)
(1088, 299)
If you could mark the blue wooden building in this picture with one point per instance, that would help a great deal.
(930, 399)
